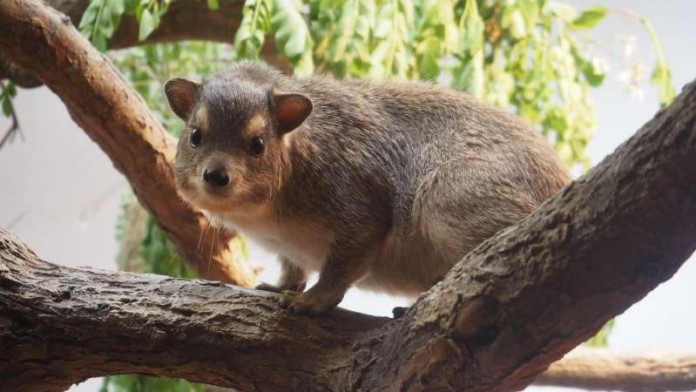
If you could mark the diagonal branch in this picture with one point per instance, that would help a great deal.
(42, 40)
(535, 290)
(510, 308)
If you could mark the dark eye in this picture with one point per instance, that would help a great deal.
(256, 147)
(195, 137)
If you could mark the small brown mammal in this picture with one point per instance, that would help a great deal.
(382, 185)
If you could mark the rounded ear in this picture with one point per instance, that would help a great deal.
(290, 110)
(181, 95)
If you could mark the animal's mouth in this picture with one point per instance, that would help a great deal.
(229, 203)
(204, 197)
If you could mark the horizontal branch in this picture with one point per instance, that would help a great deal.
(501, 316)
(599, 369)
(41, 40)
(184, 20)
(91, 323)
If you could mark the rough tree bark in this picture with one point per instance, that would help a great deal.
(500, 317)
(185, 20)
(42, 41)
(600, 369)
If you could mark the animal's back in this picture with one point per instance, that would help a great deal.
(457, 172)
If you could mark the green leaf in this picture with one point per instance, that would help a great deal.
(470, 76)
(213, 5)
(147, 24)
(292, 34)
(514, 22)
(252, 30)
(530, 11)
(6, 106)
(661, 77)
(471, 26)
(563, 12)
(593, 75)
(589, 18)
(517, 25)
(557, 120)
(100, 20)
(90, 15)
(140, 383)
(99, 42)
(601, 339)
(429, 51)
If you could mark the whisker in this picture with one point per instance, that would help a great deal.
(212, 246)
(203, 231)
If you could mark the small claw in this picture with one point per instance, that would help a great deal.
(302, 308)
(297, 303)
(267, 287)
(308, 303)
(290, 293)
(287, 298)
(295, 287)
(399, 311)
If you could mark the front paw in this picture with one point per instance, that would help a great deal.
(309, 303)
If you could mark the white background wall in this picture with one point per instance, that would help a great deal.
(61, 195)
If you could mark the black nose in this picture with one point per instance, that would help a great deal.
(216, 177)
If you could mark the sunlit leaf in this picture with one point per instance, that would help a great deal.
(471, 26)
(292, 34)
(213, 5)
(147, 25)
(563, 12)
(589, 18)
(661, 77)
(601, 339)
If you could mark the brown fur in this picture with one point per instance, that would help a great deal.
(383, 184)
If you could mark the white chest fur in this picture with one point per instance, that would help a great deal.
(303, 243)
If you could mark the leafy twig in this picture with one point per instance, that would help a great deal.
(7, 92)
(661, 76)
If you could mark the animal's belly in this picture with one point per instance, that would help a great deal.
(304, 243)
(405, 265)
(310, 258)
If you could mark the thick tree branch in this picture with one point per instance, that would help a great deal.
(41, 40)
(185, 20)
(110, 323)
(535, 290)
(599, 369)
(505, 312)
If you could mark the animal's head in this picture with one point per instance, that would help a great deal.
(233, 153)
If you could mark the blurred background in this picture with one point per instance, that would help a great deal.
(61, 195)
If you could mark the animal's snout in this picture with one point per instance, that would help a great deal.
(216, 176)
